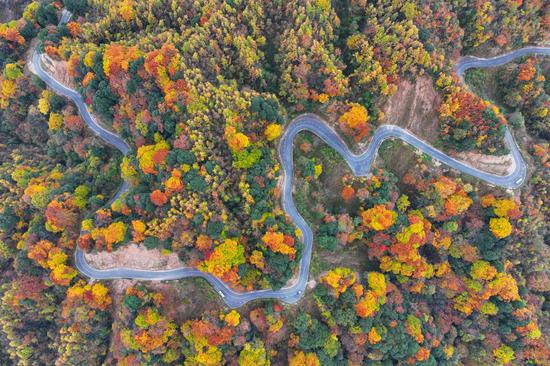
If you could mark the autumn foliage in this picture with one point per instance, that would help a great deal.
(347, 193)
(374, 296)
(95, 295)
(158, 197)
(280, 243)
(224, 259)
(354, 121)
(53, 258)
(504, 210)
(378, 218)
(439, 275)
(339, 279)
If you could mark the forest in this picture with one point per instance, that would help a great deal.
(414, 264)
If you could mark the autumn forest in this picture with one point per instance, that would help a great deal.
(413, 264)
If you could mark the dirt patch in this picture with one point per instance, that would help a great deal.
(193, 297)
(134, 256)
(311, 284)
(501, 165)
(119, 289)
(352, 255)
(11, 9)
(57, 69)
(414, 107)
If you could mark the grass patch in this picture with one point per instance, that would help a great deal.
(397, 157)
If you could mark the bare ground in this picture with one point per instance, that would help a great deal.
(11, 9)
(58, 69)
(414, 107)
(134, 256)
(501, 165)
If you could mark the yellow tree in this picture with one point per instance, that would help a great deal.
(378, 218)
(354, 121)
(339, 279)
(253, 354)
(224, 257)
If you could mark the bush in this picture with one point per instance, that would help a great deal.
(77, 7)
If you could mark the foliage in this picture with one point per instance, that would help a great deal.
(354, 121)
(378, 218)
(441, 272)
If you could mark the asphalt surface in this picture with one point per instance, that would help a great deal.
(359, 164)
(471, 62)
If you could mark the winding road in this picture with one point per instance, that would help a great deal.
(359, 164)
(471, 62)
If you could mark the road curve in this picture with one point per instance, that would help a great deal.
(359, 164)
(470, 62)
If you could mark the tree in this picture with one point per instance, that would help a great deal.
(253, 354)
(482, 270)
(500, 227)
(76, 7)
(414, 328)
(273, 131)
(95, 295)
(151, 157)
(174, 183)
(46, 14)
(53, 258)
(304, 359)
(373, 336)
(61, 215)
(236, 141)
(85, 324)
(158, 197)
(354, 121)
(280, 243)
(504, 354)
(378, 218)
(339, 279)
(348, 193)
(367, 305)
(377, 283)
(12, 71)
(224, 258)
(126, 10)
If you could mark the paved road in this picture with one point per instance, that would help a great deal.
(359, 164)
(470, 62)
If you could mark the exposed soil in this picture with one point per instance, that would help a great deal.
(489, 163)
(58, 69)
(414, 106)
(11, 9)
(352, 255)
(134, 256)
